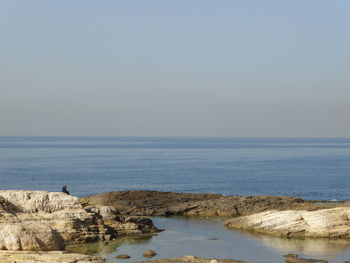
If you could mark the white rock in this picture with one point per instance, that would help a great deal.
(36, 220)
(321, 223)
(30, 237)
(36, 201)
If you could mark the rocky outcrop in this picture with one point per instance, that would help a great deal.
(38, 220)
(37, 237)
(46, 257)
(277, 215)
(149, 253)
(192, 259)
(149, 203)
(324, 223)
(293, 258)
(153, 203)
(39, 201)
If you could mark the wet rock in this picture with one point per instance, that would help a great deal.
(293, 258)
(149, 253)
(122, 256)
(46, 257)
(193, 259)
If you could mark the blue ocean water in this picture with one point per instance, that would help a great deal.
(308, 168)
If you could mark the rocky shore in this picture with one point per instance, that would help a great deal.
(192, 259)
(35, 226)
(45, 221)
(277, 215)
(154, 203)
(46, 257)
(324, 223)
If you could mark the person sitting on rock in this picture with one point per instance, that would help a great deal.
(64, 190)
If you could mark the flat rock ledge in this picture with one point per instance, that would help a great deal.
(192, 259)
(45, 221)
(46, 257)
(290, 258)
(324, 223)
(155, 203)
(293, 258)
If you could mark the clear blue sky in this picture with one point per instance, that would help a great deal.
(175, 68)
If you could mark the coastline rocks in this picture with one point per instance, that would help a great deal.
(30, 237)
(38, 201)
(245, 205)
(46, 257)
(149, 253)
(293, 258)
(49, 217)
(192, 259)
(145, 203)
(154, 203)
(122, 256)
(324, 223)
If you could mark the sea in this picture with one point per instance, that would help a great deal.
(314, 169)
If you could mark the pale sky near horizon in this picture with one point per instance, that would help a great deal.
(247, 68)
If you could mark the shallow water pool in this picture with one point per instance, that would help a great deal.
(209, 238)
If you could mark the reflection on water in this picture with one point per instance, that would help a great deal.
(209, 238)
(104, 248)
(326, 248)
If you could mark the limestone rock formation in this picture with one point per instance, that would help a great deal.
(38, 220)
(192, 259)
(39, 201)
(325, 223)
(30, 237)
(149, 253)
(122, 256)
(154, 203)
(149, 203)
(293, 258)
(46, 257)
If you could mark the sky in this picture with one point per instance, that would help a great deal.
(234, 68)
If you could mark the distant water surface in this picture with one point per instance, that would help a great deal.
(308, 168)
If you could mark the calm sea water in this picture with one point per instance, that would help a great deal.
(308, 168)
(210, 239)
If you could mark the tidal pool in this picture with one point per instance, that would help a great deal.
(209, 238)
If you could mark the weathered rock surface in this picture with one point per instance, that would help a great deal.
(293, 258)
(38, 220)
(46, 257)
(325, 223)
(30, 237)
(39, 201)
(192, 259)
(149, 253)
(290, 258)
(122, 256)
(154, 203)
(150, 203)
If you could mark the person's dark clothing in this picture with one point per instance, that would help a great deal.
(64, 190)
